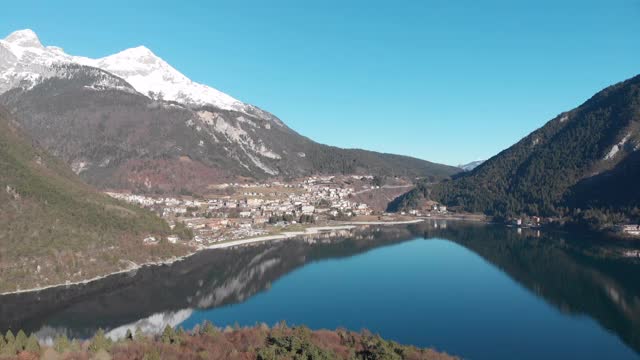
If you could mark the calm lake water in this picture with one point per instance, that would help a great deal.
(480, 292)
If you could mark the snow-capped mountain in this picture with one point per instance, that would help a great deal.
(155, 78)
(130, 120)
(24, 62)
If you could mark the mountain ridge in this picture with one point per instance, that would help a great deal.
(116, 136)
(558, 169)
(146, 72)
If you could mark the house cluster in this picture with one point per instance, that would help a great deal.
(633, 230)
(254, 209)
(436, 209)
(526, 222)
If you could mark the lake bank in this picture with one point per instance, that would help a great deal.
(222, 245)
(424, 274)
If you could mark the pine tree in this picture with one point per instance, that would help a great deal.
(8, 350)
(61, 343)
(99, 342)
(168, 335)
(128, 336)
(32, 345)
(10, 338)
(139, 335)
(180, 332)
(8, 346)
(75, 345)
(21, 340)
(208, 328)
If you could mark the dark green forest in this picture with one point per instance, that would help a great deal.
(582, 165)
(53, 225)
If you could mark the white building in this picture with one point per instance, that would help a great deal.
(308, 209)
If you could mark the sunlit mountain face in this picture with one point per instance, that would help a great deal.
(132, 121)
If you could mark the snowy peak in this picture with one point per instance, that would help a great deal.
(24, 38)
(138, 61)
(139, 56)
(22, 56)
(24, 61)
(137, 52)
(154, 77)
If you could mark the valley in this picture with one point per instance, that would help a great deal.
(139, 205)
(208, 168)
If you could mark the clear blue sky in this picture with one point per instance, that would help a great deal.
(445, 80)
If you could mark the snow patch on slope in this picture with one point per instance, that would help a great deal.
(535, 141)
(472, 165)
(617, 147)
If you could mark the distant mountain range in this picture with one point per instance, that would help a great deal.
(470, 166)
(130, 120)
(583, 164)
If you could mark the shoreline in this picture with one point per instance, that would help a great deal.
(313, 230)
(469, 217)
(223, 245)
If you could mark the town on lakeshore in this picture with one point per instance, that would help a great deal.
(236, 211)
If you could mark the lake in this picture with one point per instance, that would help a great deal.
(477, 291)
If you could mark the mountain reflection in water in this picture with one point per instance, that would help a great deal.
(575, 273)
(208, 279)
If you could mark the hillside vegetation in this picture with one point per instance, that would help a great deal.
(583, 164)
(54, 227)
(209, 342)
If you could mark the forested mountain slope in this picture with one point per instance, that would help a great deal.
(586, 158)
(54, 227)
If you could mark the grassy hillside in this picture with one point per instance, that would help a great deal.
(53, 227)
(559, 169)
